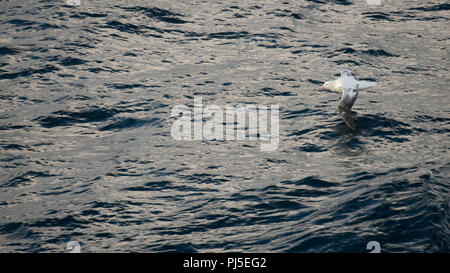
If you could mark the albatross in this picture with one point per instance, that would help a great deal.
(349, 86)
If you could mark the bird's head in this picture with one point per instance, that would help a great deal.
(329, 85)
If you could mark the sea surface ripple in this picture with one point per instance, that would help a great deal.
(86, 94)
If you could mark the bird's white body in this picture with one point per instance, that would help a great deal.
(349, 86)
(348, 82)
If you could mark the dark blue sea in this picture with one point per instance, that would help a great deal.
(87, 155)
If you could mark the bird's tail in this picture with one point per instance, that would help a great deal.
(366, 84)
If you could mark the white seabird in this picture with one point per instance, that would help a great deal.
(349, 86)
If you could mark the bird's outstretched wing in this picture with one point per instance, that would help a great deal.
(346, 72)
(345, 105)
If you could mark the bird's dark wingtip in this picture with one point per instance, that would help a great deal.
(351, 126)
(347, 117)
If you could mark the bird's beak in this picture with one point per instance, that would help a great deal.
(320, 88)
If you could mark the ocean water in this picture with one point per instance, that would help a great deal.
(87, 155)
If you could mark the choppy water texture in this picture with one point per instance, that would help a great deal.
(86, 152)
